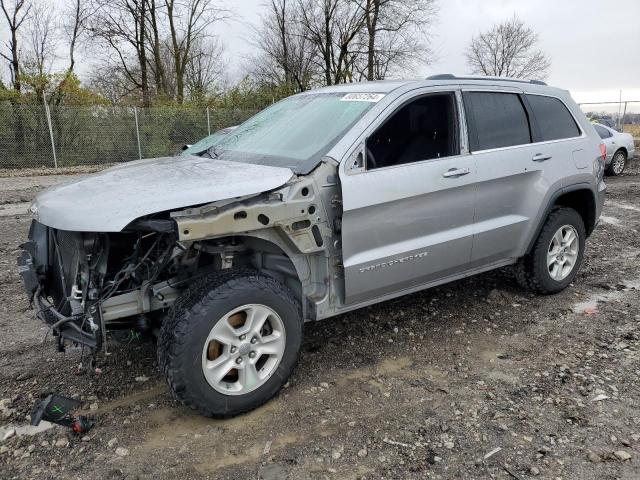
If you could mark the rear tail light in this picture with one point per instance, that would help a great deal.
(603, 151)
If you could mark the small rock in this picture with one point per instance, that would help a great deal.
(142, 379)
(352, 424)
(534, 471)
(622, 455)
(24, 376)
(594, 457)
(5, 411)
(4, 449)
(599, 398)
(62, 442)
(324, 385)
(362, 453)
(336, 453)
(112, 443)
(122, 452)
(93, 407)
(86, 438)
(8, 434)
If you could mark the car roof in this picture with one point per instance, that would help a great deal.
(388, 86)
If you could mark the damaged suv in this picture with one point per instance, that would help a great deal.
(328, 201)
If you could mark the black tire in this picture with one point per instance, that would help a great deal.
(532, 271)
(611, 171)
(183, 335)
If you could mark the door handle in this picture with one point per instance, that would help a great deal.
(541, 157)
(456, 172)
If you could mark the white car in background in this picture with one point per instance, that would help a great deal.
(620, 148)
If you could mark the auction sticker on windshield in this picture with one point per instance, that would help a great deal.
(363, 97)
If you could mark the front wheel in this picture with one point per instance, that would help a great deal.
(231, 342)
(557, 254)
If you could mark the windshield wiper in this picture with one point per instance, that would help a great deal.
(212, 152)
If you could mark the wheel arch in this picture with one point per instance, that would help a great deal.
(623, 150)
(579, 197)
(267, 252)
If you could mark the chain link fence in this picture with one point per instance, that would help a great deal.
(623, 116)
(65, 136)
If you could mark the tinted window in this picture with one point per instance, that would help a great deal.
(603, 132)
(496, 120)
(424, 129)
(553, 118)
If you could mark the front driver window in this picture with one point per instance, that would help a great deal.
(424, 129)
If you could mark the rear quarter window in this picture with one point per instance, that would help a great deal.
(496, 120)
(554, 120)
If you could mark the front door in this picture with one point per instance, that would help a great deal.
(408, 217)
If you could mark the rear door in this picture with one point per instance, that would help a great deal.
(518, 170)
(408, 216)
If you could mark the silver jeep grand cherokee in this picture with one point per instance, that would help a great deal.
(325, 202)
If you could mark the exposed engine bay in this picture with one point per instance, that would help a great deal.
(86, 284)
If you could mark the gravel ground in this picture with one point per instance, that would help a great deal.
(475, 379)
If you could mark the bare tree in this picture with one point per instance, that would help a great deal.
(397, 34)
(285, 55)
(75, 25)
(204, 67)
(508, 50)
(332, 27)
(121, 25)
(188, 21)
(155, 41)
(41, 40)
(15, 14)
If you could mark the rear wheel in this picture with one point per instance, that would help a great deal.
(618, 164)
(557, 254)
(231, 342)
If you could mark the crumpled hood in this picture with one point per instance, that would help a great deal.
(110, 200)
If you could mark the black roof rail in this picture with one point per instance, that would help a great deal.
(449, 76)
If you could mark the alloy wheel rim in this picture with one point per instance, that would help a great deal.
(243, 349)
(562, 254)
(618, 163)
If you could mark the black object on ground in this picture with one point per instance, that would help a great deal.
(57, 409)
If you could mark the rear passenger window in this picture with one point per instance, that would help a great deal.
(603, 132)
(553, 119)
(496, 120)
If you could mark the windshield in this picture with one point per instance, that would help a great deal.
(207, 142)
(294, 133)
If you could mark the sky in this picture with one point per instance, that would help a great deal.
(594, 45)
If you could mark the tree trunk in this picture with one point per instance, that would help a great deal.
(15, 63)
(373, 9)
(142, 56)
(157, 59)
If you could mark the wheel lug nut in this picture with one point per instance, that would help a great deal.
(254, 340)
(252, 354)
(233, 349)
(242, 337)
(239, 360)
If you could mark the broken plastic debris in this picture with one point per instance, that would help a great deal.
(57, 409)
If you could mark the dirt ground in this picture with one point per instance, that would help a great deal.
(475, 379)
